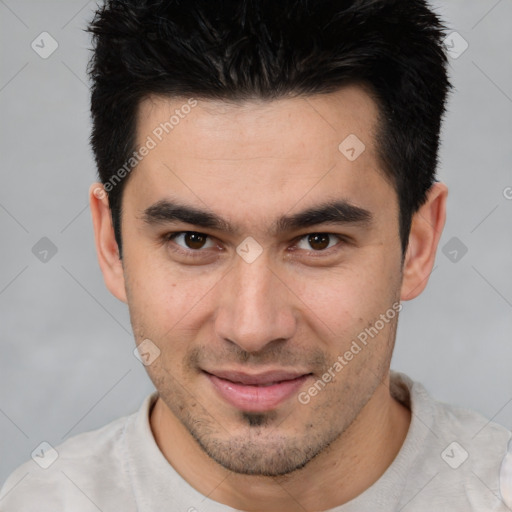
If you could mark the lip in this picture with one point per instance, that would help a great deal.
(256, 392)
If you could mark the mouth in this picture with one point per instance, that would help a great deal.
(256, 392)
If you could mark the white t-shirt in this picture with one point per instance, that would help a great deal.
(451, 460)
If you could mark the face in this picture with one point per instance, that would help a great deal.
(257, 253)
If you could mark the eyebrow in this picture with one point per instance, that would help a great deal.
(333, 212)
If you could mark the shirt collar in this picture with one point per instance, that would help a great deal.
(157, 484)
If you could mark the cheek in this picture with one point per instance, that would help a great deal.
(165, 298)
(342, 301)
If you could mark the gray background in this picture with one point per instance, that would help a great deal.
(66, 361)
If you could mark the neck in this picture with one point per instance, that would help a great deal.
(349, 466)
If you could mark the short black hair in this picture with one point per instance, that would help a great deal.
(237, 50)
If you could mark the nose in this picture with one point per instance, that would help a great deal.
(255, 306)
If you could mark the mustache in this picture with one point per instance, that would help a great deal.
(278, 354)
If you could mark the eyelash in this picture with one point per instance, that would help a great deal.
(191, 253)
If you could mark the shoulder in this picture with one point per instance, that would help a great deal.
(466, 454)
(480, 452)
(83, 473)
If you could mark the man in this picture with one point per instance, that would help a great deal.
(267, 200)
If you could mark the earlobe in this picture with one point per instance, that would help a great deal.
(106, 245)
(426, 229)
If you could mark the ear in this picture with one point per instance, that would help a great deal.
(106, 245)
(426, 229)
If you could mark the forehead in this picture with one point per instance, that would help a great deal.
(266, 154)
(300, 123)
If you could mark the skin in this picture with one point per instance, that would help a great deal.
(297, 306)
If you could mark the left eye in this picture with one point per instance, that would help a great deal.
(318, 241)
(192, 240)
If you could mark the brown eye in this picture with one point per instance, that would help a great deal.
(194, 240)
(191, 240)
(319, 241)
